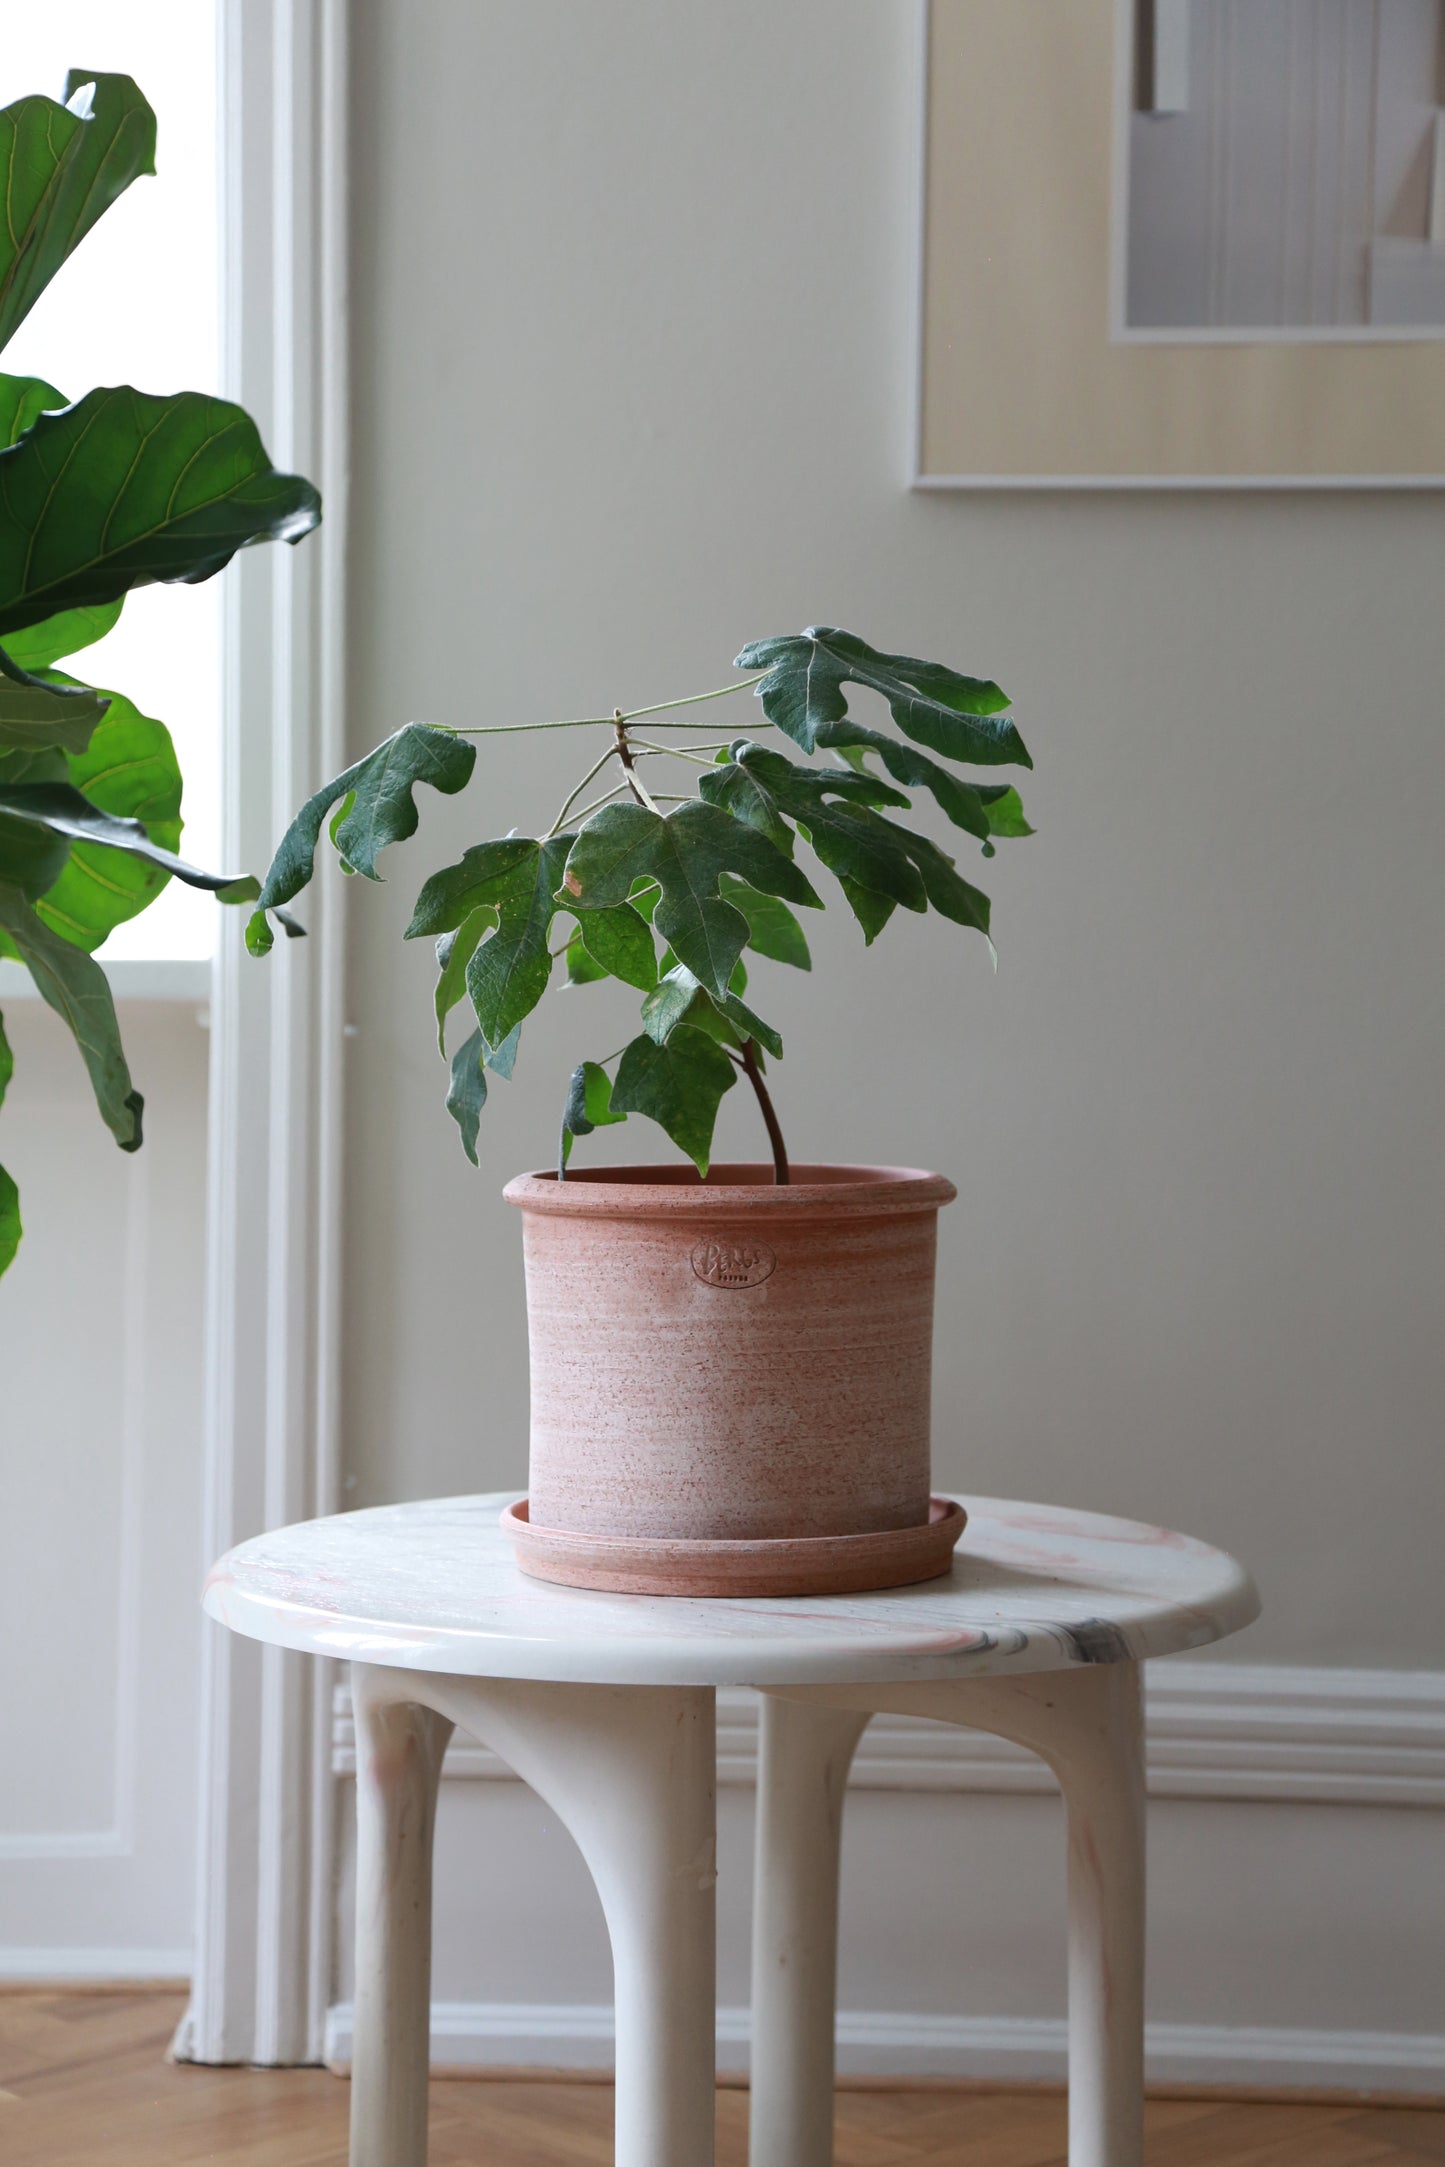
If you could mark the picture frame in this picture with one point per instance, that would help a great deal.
(1028, 373)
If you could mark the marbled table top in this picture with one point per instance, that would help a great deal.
(432, 1586)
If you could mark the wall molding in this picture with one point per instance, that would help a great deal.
(1300, 1734)
(264, 1897)
(56, 1966)
(885, 2043)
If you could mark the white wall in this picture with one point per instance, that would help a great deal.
(100, 1504)
(632, 293)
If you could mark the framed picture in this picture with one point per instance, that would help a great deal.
(1182, 244)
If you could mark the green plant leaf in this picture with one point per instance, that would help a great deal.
(855, 841)
(468, 1093)
(502, 1059)
(454, 952)
(871, 911)
(508, 974)
(480, 877)
(130, 769)
(685, 852)
(383, 810)
(678, 998)
(7, 1062)
(966, 804)
(10, 1227)
(588, 1107)
(958, 716)
(773, 931)
(75, 986)
(679, 1086)
(124, 488)
(35, 716)
(22, 400)
(61, 808)
(38, 646)
(1005, 810)
(581, 970)
(619, 941)
(61, 167)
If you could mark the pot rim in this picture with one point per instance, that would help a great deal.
(818, 1190)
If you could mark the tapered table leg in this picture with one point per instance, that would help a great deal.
(399, 1748)
(804, 1752)
(631, 1771)
(1087, 1723)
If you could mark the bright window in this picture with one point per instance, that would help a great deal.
(139, 303)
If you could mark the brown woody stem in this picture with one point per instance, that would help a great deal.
(749, 1064)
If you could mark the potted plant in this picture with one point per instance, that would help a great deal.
(97, 496)
(730, 1364)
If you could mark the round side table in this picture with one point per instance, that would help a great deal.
(604, 1705)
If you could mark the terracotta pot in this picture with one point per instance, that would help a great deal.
(729, 1360)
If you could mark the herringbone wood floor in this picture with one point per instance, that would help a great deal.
(84, 2083)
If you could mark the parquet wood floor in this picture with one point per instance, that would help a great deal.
(84, 2083)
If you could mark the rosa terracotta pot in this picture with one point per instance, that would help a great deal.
(730, 1362)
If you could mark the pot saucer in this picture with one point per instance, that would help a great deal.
(797, 1565)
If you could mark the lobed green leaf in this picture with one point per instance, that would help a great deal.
(468, 1092)
(686, 853)
(454, 952)
(508, 973)
(679, 1086)
(678, 998)
(382, 810)
(803, 689)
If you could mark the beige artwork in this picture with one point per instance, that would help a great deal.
(1032, 368)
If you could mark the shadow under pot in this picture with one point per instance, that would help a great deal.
(731, 1380)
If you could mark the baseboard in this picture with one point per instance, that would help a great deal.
(879, 2043)
(1290, 1732)
(61, 1967)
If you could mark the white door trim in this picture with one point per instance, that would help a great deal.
(263, 1906)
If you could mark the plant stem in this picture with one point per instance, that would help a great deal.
(624, 753)
(561, 820)
(595, 807)
(674, 752)
(739, 684)
(749, 1065)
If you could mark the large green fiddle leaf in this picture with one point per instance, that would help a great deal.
(128, 770)
(38, 646)
(23, 399)
(36, 717)
(377, 807)
(678, 1085)
(124, 488)
(75, 986)
(866, 851)
(9, 1194)
(61, 809)
(61, 166)
(958, 716)
(678, 998)
(686, 853)
(508, 974)
(981, 810)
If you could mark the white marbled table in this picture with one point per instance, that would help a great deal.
(604, 1705)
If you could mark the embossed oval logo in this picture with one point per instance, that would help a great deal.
(733, 1264)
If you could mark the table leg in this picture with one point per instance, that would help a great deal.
(631, 1772)
(399, 1748)
(803, 1758)
(1087, 1724)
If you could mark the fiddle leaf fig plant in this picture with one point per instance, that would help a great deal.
(668, 891)
(111, 492)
